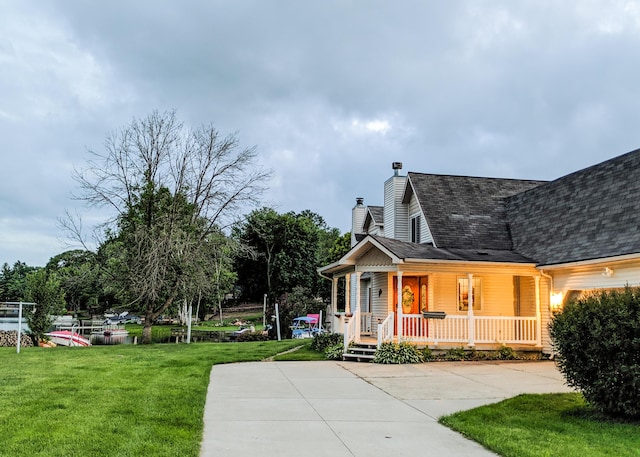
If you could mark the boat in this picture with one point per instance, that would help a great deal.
(67, 338)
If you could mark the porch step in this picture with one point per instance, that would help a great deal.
(360, 353)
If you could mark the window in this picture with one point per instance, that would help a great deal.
(415, 229)
(463, 294)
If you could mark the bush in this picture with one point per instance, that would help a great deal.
(322, 341)
(398, 353)
(427, 354)
(335, 352)
(455, 354)
(597, 345)
(506, 353)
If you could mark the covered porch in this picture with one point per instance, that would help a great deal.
(503, 306)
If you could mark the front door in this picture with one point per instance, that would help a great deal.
(414, 295)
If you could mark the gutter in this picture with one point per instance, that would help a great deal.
(475, 262)
(600, 260)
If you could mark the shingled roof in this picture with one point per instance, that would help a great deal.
(375, 214)
(590, 214)
(405, 250)
(467, 213)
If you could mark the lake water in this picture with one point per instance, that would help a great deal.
(11, 323)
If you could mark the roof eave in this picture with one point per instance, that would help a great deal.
(588, 262)
(475, 262)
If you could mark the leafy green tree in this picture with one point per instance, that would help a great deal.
(341, 245)
(13, 281)
(45, 291)
(78, 273)
(171, 188)
(286, 250)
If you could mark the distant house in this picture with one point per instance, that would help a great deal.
(482, 262)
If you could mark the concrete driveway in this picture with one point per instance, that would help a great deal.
(356, 409)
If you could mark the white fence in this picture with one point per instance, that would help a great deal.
(469, 329)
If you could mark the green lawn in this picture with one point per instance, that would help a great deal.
(120, 400)
(550, 425)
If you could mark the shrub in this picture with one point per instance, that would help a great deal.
(506, 353)
(335, 352)
(397, 353)
(455, 354)
(597, 345)
(322, 341)
(427, 354)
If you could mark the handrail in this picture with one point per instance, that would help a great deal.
(385, 330)
(349, 331)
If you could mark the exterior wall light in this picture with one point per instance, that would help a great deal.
(555, 301)
(607, 272)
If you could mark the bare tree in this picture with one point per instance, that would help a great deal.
(170, 188)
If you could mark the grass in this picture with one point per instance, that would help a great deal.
(120, 400)
(303, 353)
(558, 425)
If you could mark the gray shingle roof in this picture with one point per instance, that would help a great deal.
(377, 214)
(467, 212)
(592, 213)
(405, 250)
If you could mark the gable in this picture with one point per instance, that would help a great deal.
(466, 212)
(374, 257)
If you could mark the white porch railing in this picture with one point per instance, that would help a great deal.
(505, 329)
(350, 330)
(366, 323)
(385, 330)
(455, 329)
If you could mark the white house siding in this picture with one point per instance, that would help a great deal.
(588, 278)
(379, 304)
(395, 213)
(373, 229)
(425, 233)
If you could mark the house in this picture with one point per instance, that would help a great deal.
(453, 261)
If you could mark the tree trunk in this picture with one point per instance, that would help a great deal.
(146, 330)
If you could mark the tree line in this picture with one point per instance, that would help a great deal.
(187, 229)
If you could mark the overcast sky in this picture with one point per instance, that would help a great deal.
(330, 93)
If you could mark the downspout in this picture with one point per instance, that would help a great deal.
(550, 278)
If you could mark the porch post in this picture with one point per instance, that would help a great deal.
(472, 326)
(358, 312)
(399, 303)
(538, 313)
(334, 304)
(347, 294)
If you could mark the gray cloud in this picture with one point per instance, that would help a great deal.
(330, 92)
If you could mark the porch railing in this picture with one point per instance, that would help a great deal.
(366, 323)
(350, 330)
(455, 329)
(505, 329)
(385, 330)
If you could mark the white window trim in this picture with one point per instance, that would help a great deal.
(478, 302)
(416, 217)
